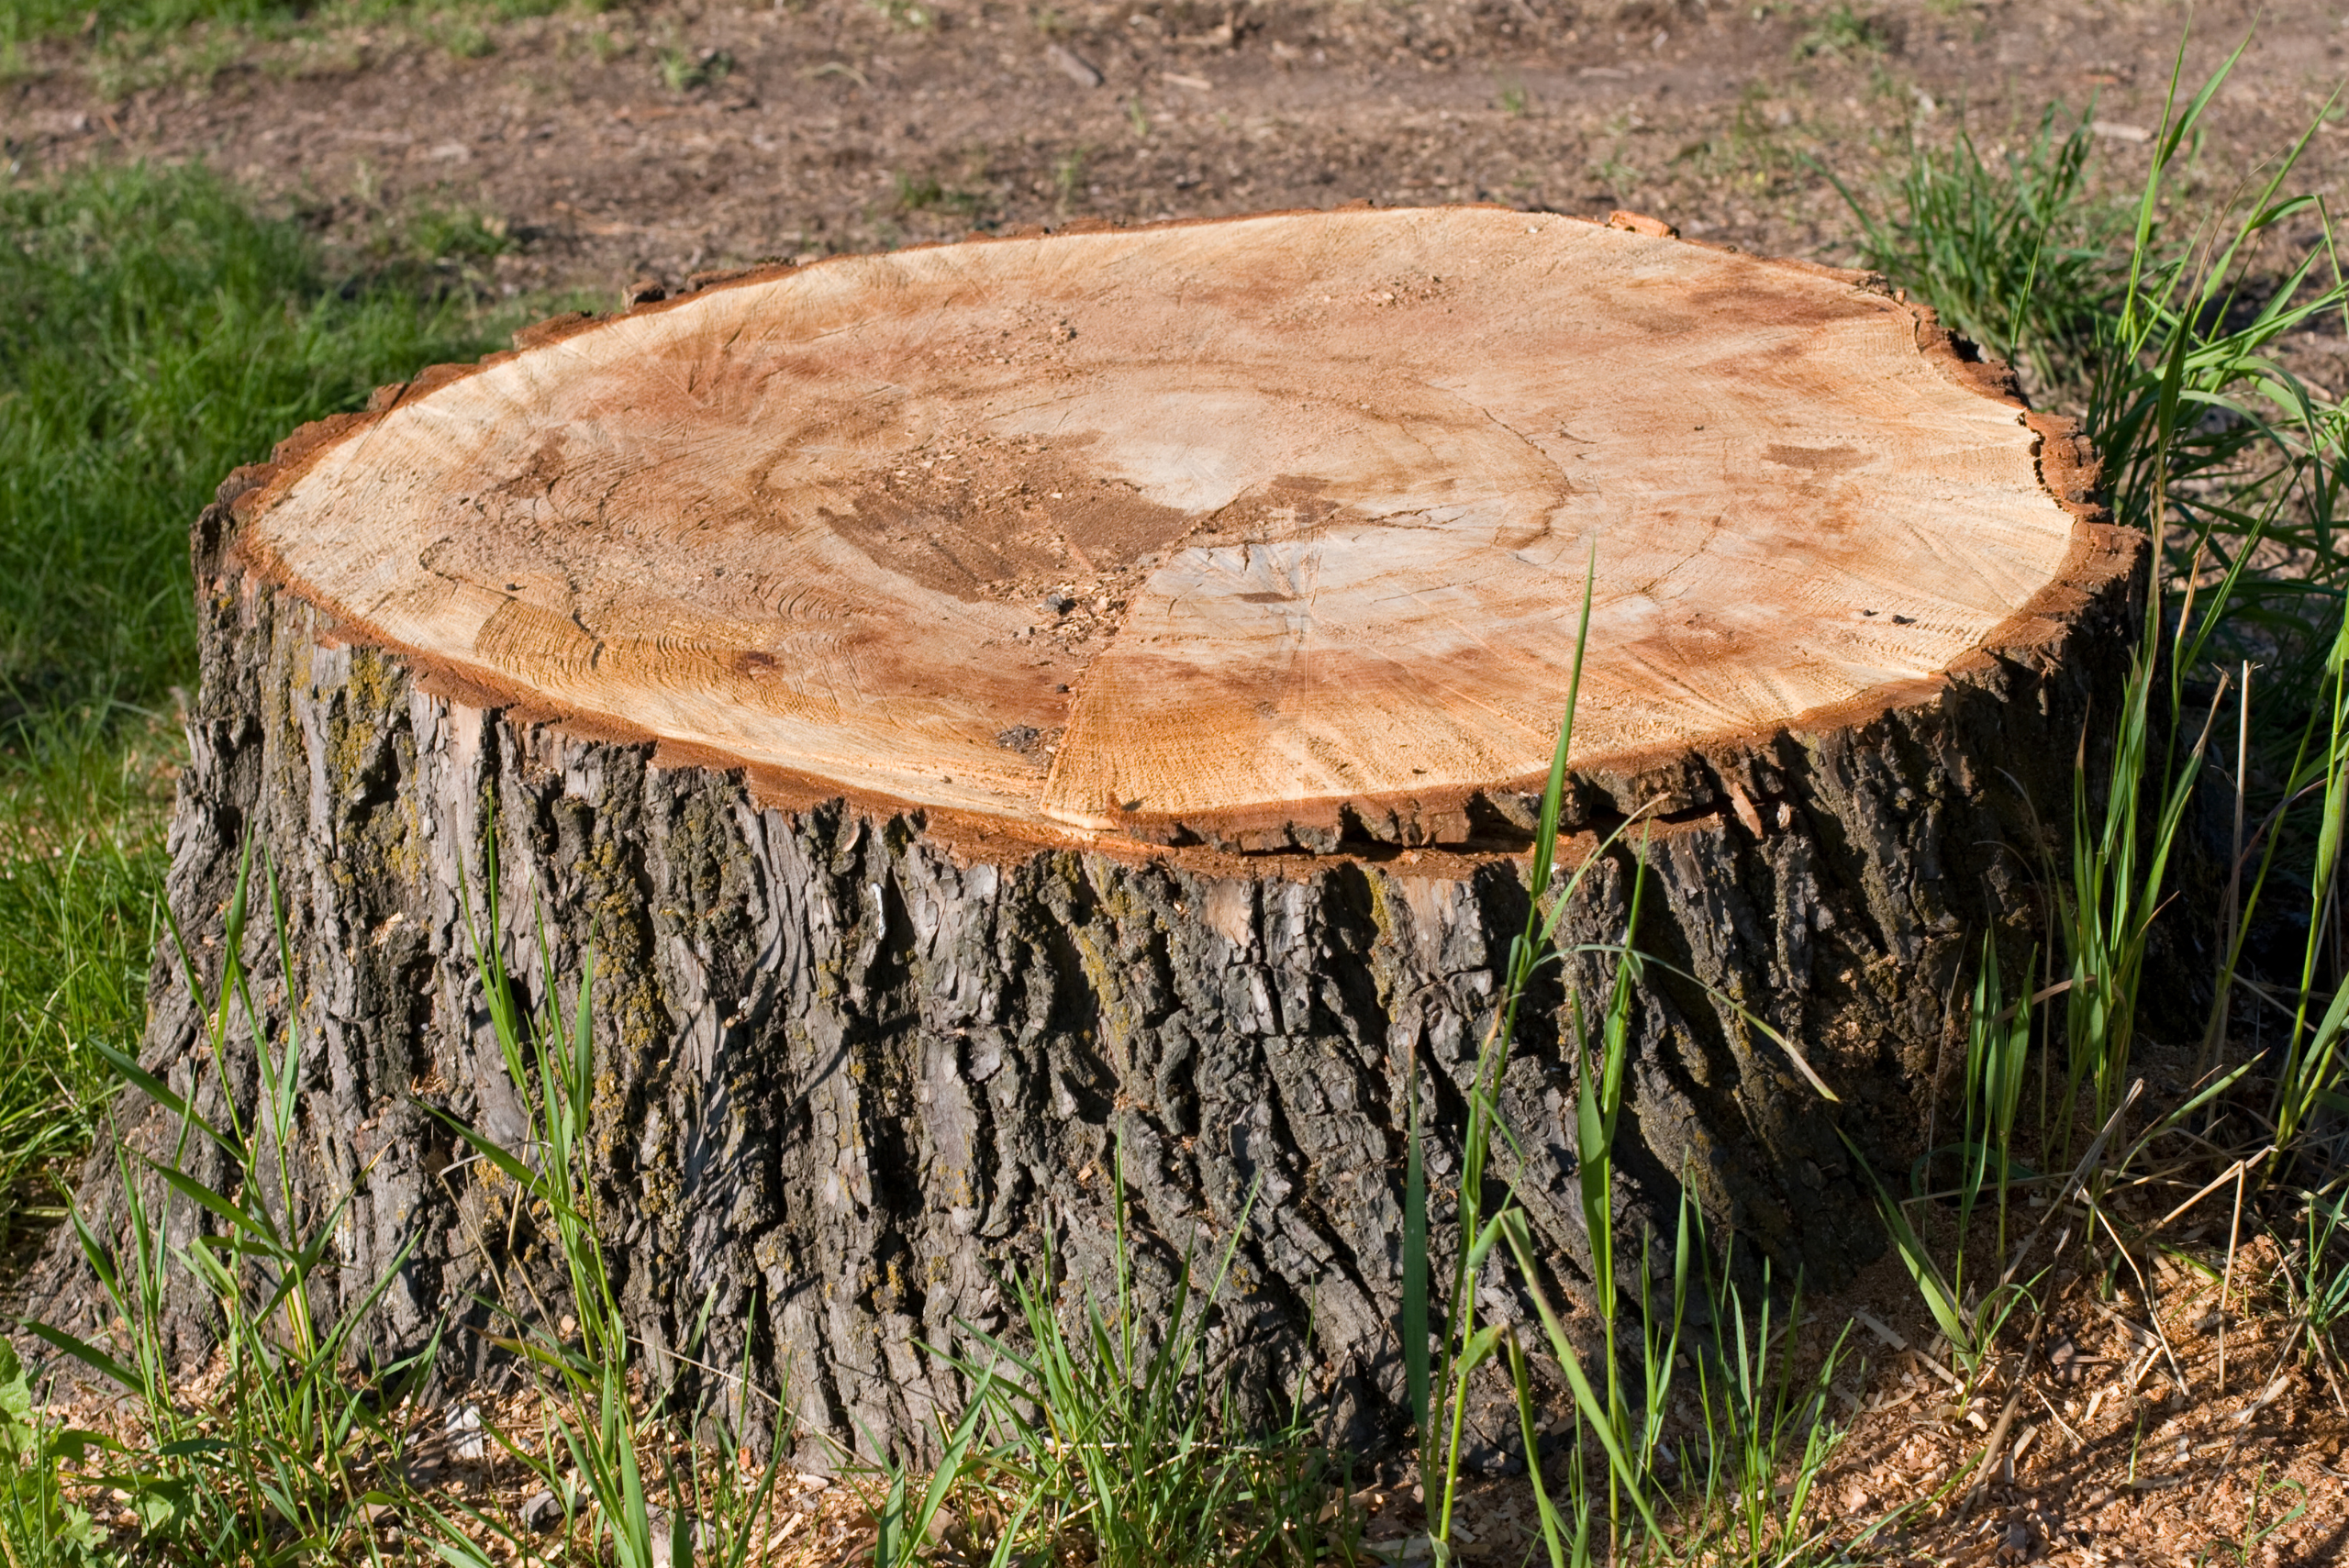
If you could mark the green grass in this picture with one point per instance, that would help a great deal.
(2163, 338)
(22, 21)
(605, 1450)
(2014, 253)
(81, 807)
(289, 1457)
(278, 1465)
(156, 333)
(1841, 31)
(67, 18)
(1108, 1441)
(124, 45)
(2163, 334)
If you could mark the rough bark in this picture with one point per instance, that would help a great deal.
(851, 1072)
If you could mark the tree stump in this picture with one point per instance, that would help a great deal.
(1010, 713)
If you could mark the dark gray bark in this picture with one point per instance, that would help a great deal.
(852, 1074)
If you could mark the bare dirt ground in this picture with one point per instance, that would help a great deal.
(661, 140)
(658, 140)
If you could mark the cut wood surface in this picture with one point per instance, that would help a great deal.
(1243, 531)
(887, 668)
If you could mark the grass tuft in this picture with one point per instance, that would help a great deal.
(1107, 1440)
(2013, 252)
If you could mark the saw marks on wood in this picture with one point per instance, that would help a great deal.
(1315, 490)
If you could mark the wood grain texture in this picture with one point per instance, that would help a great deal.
(1322, 488)
(867, 1043)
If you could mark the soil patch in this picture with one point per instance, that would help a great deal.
(664, 139)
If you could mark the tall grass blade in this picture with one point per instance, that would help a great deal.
(1415, 1252)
